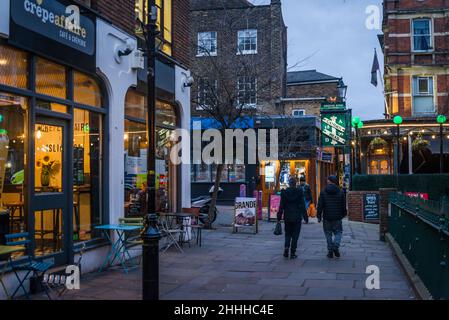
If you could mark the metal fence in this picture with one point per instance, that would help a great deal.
(421, 228)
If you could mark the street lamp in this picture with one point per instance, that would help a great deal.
(357, 124)
(342, 89)
(441, 119)
(398, 121)
(150, 234)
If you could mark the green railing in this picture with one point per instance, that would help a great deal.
(421, 228)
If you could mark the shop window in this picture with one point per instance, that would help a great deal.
(48, 142)
(51, 106)
(136, 150)
(51, 79)
(13, 67)
(164, 21)
(12, 169)
(136, 147)
(165, 114)
(202, 173)
(86, 90)
(135, 105)
(87, 155)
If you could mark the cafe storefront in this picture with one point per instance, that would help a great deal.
(65, 115)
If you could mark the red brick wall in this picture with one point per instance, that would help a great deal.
(181, 31)
(355, 206)
(121, 13)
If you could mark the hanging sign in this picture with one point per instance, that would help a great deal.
(334, 127)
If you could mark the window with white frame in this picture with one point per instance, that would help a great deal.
(207, 43)
(298, 112)
(207, 91)
(247, 41)
(247, 87)
(423, 96)
(422, 35)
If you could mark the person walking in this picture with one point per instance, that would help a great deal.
(331, 210)
(307, 196)
(292, 209)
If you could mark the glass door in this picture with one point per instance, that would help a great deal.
(50, 200)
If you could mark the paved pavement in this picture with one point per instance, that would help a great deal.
(250, 267)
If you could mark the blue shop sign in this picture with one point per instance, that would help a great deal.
(56, 21)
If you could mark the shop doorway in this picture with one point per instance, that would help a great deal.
(49, 205)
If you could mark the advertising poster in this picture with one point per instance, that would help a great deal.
(245, 213)
(275, 203)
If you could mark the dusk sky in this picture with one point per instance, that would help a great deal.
(332, 37)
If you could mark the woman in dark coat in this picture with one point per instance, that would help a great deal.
(292, 209)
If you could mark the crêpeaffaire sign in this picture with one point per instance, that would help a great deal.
(53, 28)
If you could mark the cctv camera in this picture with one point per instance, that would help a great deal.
(189, 81)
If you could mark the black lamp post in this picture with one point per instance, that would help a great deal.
(398, 121)
(441, 119)
(150, 235)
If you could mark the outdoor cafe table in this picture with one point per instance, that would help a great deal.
(6, 251)
(118, 248)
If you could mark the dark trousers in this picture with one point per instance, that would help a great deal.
(333, 230)
(292, 230)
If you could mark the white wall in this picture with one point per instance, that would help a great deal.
(182, 96)
(118, 77)
(4, 18)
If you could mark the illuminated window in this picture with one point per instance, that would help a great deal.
(13, 67)
(86, 90)
(164, 21)
(51, 79)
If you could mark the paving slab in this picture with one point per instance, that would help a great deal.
(246, 267)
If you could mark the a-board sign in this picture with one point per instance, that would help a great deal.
(245, 214)
(275, 203)
(371, 206)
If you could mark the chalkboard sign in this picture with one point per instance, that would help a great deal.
(371, 206)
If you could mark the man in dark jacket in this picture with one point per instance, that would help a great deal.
(307, 195)
(292, 208)
(332, 209)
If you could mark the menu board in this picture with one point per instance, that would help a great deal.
(371, 206)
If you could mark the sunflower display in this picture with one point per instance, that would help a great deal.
(49, 169)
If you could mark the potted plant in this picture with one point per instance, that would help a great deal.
(378, 143)
(420, 144)
(49, 168)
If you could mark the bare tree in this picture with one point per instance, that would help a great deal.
(235, 85)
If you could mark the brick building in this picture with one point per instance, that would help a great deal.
(239, 52)
(416, 49)
(415, 44)
(229, 30)
(306, 90)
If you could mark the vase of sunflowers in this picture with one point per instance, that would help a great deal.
(49, 168)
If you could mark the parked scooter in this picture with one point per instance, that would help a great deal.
(203, 202)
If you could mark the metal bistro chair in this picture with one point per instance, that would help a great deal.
(133, 240)
(173, 235)
(56, 282)
(29, 266)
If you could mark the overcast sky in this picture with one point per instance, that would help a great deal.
(333, 38)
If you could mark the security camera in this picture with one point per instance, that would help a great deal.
(124, 50)
(188, 81)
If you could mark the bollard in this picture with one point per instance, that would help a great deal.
(150, 259)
